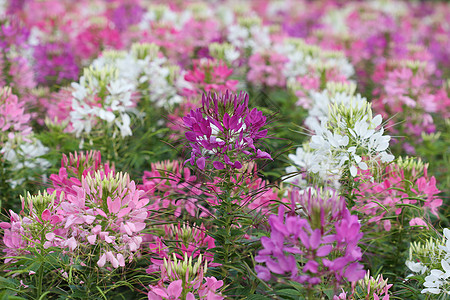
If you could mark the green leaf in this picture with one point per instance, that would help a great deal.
(5, 296)
(8, 283)
(381, 205)
(290, 293)
(408, 205)
(257, 297)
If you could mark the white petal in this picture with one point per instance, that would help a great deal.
(353, 170)
(363, 166)
(377, 121)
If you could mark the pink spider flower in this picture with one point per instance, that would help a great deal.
(37, 223)
(91, 41)
(190, 240)
(210, 75)
(76, 166)
(57, 107)
(393, 190)
(22, 76)
(185, 275)
(266, 69)
(180, 241)
(170, 185)
(107, 212)
(14, 122)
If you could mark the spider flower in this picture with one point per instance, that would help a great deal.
(76, 166)
(211, 74)
(185, 275)
(224, 128)
(107, 213)
(14, 122)
(321, 246)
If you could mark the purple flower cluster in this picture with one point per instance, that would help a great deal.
(127, 14)
(322, 246)
(55, 62)
(224, 131)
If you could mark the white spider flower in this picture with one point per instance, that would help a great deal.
(348, 137)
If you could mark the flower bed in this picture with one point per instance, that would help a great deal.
(224, 150)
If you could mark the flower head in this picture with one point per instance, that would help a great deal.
(225, 128)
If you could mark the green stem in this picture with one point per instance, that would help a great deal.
(39, 283)
(185, 290)
(40, 275)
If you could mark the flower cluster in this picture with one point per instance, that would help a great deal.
(309, 68)
(224, 128)
(434, 266)
(368, 288)
(172, 186)
(249, 35)
(186, 278)
(107, 211)
(210, 76)
(76, 166)
(23, 232)
(264, 69)
(348, 138)
(108, 89)
(14, 122)
(325, 241)
(100, 96)
(90, 206)
(393, 194)
(18, 145)
(408, 93)
(125, 76)
(55, 63)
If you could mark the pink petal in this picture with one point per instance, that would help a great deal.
(174, 289)
(91, 239)
(45, 215)
(101, 262)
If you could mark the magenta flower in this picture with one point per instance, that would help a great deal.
(54, 63)
(173, 291)
(210, 75)
(76, 166)
(126, 14)
(224, 129)
(321, 247)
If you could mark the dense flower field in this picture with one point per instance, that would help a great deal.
(224, 149)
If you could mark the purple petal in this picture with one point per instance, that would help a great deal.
(263, 273)
(274, 267)
(354, 272)
(324, 250)
(263, 155)
(201, 163)
(311, 266)
(218, 165)
(315, 238)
